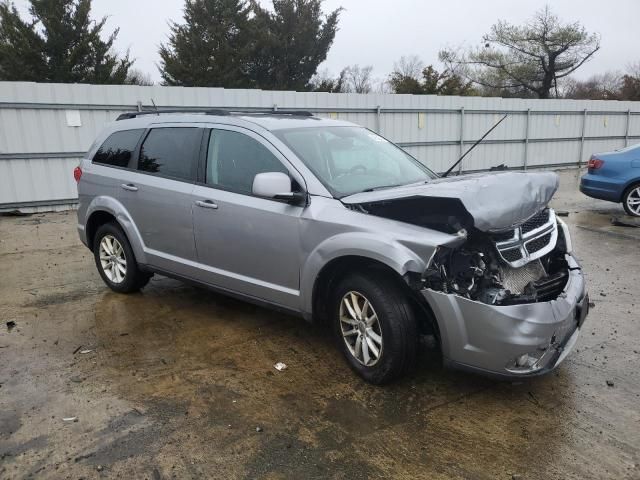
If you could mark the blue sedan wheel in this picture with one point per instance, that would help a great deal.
(631, 200)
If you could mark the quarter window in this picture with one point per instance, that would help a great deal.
(118, 148)
(171, 152)
(234, 159)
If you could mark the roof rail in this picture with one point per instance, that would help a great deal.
(215, 111)
(129, 115)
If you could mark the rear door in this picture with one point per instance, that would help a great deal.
(158, 192)
(246, 244)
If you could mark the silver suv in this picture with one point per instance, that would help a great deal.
(330, 221)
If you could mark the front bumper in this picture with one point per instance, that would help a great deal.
(489, 338)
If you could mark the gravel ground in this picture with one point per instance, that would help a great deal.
(178, 382)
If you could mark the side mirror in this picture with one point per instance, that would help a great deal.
(276, 185)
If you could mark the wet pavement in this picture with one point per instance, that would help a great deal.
(178, 382)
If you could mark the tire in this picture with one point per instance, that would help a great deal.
(632, 194)
(110, 248)
(394, 335)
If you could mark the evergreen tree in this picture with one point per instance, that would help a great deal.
(290, 43)
(211, 48)
(59, 43)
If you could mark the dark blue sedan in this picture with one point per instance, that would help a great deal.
(615, 176)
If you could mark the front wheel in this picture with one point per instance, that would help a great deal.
(375, 326)
(631, 200)
(115, 260)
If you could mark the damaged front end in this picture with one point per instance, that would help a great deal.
(525, 264)
(510, 299)
(509, 303)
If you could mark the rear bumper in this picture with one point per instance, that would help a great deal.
(604, 188)
(488, 338)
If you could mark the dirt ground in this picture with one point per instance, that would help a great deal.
(178, 382)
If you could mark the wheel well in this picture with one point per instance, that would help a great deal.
(336, 269)
(633, 183)
(96, 220)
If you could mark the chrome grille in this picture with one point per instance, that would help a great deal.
(537, 221)
(538, 244)
(533, 239)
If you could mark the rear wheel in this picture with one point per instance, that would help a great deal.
(115, 260)
(631, 200)
(375, 326)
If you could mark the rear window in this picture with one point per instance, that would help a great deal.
(171, 152)
(116, 150)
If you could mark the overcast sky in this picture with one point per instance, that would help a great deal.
(379, 32)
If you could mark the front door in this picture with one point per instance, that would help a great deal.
(246, 244)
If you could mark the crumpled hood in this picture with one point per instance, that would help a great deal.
(495, 201)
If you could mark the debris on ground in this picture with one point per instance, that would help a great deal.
(10, 325)
(140, 410)
(259, 429)
(625, 222)
(610, 383)
(70, 419)
(15, 213)
(77, 349)
(592, 304)
(84, 352)
(499, 168)
(562, 213)
(280, 366)
(76, 379)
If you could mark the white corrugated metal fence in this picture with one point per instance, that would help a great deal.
(46, 128)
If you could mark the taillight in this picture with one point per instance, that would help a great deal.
(595, 163)
(77, 173)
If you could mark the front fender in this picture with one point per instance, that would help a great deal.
(115, 208)
(362, 244)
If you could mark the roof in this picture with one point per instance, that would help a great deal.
(279, 120)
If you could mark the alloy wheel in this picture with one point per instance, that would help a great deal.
(360, 328)
(633, 201)
(113, 259)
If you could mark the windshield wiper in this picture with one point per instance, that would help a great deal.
(381, 187)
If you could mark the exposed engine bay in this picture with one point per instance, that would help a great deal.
(482, 270)
(523, 264)
(514, 251)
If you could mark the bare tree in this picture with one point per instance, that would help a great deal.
(606, 86)
(138, 77)
(410, 66)
(532, 57)
(357, 79)
(630, 89)
(323, 81)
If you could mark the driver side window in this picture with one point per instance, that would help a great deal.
(234, 159)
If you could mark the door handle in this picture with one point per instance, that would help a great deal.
(130, 187)
(206, 204)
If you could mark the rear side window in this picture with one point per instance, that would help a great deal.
(118, 148)
(171, 152)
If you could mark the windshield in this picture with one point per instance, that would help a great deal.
(349, 160)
